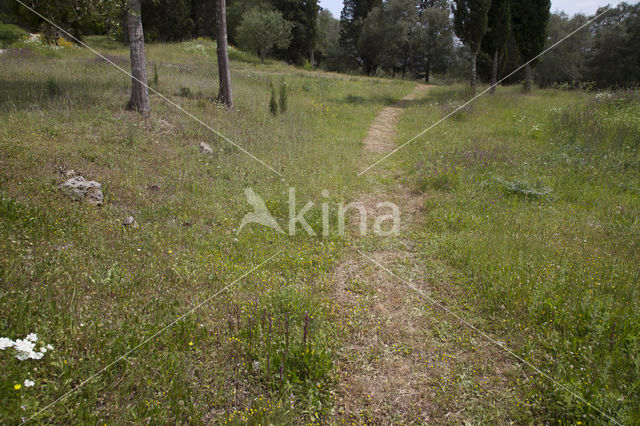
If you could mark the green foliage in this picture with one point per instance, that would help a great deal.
(184, 249)
(565, 63)
(470, 21)
(328, 50)
(523, 188)
(285, 347)
(432, 47)
(9, 34)
(529, 19)
(354, 99)
(171, 20)
(262, 30)
(283, 98)
(439, 177)
(304, 33)
(273, 101)
(614, 58)
(555, 273)
(354, 12)
(154, 81)
(376, 39)
(498, 27)
(605, 125)
(78, 17)
(185, 92)
(52, 88)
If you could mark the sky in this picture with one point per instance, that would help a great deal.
(569, 6)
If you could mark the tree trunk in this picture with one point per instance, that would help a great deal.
(474, 56)
(427, 72)
(494, 72)
(139, 100)
(224, 94)
(527, 81)
(312, 58)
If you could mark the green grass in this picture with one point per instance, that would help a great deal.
(534, 198)
(10, 34)
(531, 209)
(93, 289)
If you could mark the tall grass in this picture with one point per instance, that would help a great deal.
(94, 289)
(555, 276)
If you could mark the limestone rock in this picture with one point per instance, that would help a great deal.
(129, 221)
(80, 189)
(205, 148)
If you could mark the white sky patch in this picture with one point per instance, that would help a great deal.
(571, 7)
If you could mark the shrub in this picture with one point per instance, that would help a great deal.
(185, 92)
(273, 104)
(283, 98)
(9, 34)
(606, 124)
(441, 178)
(354, 99)
(53, 88)
(261, 31)
(523, 188)
(155, 76)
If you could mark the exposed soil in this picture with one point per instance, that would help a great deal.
(380, 137)
(404, 361)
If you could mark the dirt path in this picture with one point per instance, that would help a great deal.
(403, 361)
(380, 137)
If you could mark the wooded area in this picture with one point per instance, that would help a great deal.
(407, 38)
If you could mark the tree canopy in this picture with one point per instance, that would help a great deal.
(262, 30)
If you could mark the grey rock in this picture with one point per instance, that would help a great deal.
(205, 148)
(129, 221)
(80, 189)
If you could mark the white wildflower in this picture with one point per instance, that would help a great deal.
(22, 356)
(25, 348)
(26, 351)
(5, 343)
(28, 383)
(24, 345)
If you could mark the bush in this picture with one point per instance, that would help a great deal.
(523, 188)
(283, 98)
(606, 124)
(441, 178)
(273, 104)
(354, 99)
(9, 34)
(185, 92)
(53, 88)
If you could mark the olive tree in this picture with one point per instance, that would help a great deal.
(261, 31)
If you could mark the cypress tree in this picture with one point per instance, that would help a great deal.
(352, 18)
(529, 19)
(470, 22)
(494, 41)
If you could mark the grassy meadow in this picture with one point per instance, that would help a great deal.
(533, 201)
